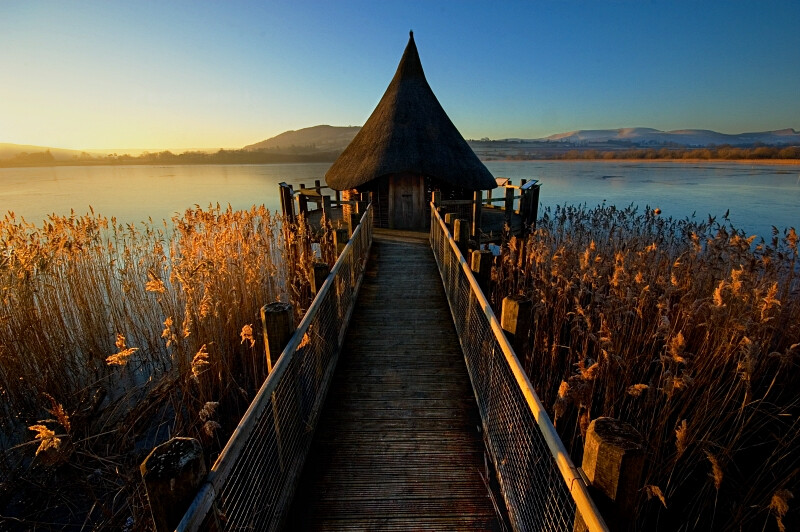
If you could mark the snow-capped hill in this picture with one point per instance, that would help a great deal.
(682, 137)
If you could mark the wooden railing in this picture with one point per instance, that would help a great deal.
(542, 488)
(253, 481)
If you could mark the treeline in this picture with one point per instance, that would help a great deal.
(714, 152)
(167, 157)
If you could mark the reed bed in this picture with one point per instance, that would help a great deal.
(114, 338)
(688, 330)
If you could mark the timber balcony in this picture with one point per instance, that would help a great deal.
(397, 403)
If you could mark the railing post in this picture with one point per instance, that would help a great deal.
(172, 474)
(352, 222)
(318, 186)
(449, 219)
(302, 203)
(515, 320)
(509, 207)
(477, 201)
(278, 323)
(613, 460)
(340, 238)
(326, 207)
(436, 197)
(461, 234)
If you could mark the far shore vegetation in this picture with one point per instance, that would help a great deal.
(308, 154)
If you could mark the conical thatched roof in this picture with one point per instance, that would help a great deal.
(409, 132)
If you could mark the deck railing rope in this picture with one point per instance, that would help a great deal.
(542, 488)
(253, 481)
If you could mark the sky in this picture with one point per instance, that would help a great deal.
(209, 74)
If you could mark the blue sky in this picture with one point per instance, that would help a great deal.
(179, 75)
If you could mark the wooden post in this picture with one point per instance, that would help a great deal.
(449, 219)
(326, 207)
(481, 266)
(318, 186)
(302, 203)
(436, 197)
(477, 200)
(533, 206)
(321, 271)
(613, 460)
(461, 234)
(509, 207)
(278, 322)
(355, 218)
(515, 320)
(340, 238)
(338, 195)
(172, 474)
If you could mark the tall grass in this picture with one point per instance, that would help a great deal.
(115, 337)
(688, 330)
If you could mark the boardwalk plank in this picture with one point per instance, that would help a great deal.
(398, 446)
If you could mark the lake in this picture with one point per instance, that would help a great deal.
(758, 196)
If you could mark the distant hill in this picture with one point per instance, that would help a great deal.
(643, 136)
(9, 151)
(309, 140)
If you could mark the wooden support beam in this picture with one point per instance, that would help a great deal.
(318, 186)
(277, 320)
(613, 460)
(172, 474)
(302, 203)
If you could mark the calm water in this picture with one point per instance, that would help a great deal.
(758, 196)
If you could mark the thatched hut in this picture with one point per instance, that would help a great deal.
(407, 149)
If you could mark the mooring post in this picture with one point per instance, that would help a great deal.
(172, 474)
(509, 203)
(481, 266)
(613, 460)
(461, 234)
(515, 320)
(321, 271)
(533, 206)
(477, 201)
(278, 323)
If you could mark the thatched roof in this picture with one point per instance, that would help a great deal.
(409, 132)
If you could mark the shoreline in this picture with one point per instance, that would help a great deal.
(761, 162)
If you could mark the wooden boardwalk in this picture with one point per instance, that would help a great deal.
(398, 445)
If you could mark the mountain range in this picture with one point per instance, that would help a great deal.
(328, 141)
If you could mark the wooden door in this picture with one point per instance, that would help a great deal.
(404, 209)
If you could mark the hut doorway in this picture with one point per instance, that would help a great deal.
(406, 201)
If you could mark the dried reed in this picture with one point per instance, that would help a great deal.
(688, 330)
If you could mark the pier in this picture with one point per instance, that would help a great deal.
(397, 403)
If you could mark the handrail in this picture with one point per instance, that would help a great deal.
(572, 478)
(264, 401)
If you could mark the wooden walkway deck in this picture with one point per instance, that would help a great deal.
(398, 446)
